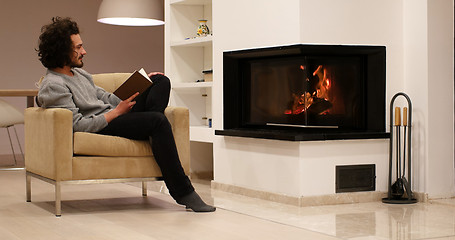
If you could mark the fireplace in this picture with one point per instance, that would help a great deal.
(305, 92)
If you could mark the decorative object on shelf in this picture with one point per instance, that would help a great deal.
(208, 121)
(208, 75)
(399, 190)
(202, 30)
(131, 12)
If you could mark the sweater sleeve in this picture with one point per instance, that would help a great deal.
(107, 97)
(59, 96)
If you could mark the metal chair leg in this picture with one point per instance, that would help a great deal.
(12, 148)
(19, 143)
(28, 187)
(144, 188)
(58, 199)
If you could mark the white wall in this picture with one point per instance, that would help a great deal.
(429, 64)
(440, 177)
(418, 35)
(416, 79)
(109, 48)
(319, 161)
(259, 164)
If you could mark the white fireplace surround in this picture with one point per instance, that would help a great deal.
(418, 35)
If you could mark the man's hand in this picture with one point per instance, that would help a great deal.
(155, 73)
(122, 108)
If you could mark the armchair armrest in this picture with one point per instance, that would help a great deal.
(49, 142)
(179, 119)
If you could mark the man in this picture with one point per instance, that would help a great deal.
(67, 85)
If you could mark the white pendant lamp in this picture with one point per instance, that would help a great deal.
(132, 12)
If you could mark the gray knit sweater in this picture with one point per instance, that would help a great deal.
(79, 94)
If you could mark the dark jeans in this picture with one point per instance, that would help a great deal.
(147, 121)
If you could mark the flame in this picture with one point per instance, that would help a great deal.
(322, 88)
(304, 101)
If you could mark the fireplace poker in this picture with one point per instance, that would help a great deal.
(405, 125)
(406, 184)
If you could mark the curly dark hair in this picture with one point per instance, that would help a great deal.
(55, 45)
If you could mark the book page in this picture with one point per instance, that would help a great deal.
(143, 73)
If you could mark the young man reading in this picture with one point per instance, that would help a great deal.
(67, 85)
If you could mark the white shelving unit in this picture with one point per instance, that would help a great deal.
(194, 42)
(182, 86)
(186, 57)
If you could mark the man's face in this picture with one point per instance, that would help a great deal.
(78, 51)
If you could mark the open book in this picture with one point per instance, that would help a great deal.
(139, 81)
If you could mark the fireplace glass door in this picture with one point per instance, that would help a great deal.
(305, 91)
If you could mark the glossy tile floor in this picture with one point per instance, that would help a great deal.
(118, 211)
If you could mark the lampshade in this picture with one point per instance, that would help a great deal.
(132, 12)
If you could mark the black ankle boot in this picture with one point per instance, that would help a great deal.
(194, 202)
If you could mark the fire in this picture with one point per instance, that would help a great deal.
(320, 95)
(322, 88)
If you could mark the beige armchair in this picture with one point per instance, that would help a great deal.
(55, 155)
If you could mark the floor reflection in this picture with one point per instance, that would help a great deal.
(353, 225)
(374, 220)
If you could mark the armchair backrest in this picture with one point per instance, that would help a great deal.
(110, 81)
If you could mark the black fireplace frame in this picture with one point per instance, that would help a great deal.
(375, 87)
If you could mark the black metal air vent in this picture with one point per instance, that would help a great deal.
(355, 178)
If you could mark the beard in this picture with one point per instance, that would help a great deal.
(78, 63)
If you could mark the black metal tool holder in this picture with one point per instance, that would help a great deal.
(402, 180)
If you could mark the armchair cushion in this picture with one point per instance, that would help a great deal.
(86, 168)
(92, 144)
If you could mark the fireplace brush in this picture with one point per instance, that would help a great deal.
(399, 190)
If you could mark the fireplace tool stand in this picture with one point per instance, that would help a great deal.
(399, 190)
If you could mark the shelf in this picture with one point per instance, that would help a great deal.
(177, 86)
(193, 42)
(201, 134)
(191, 2)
